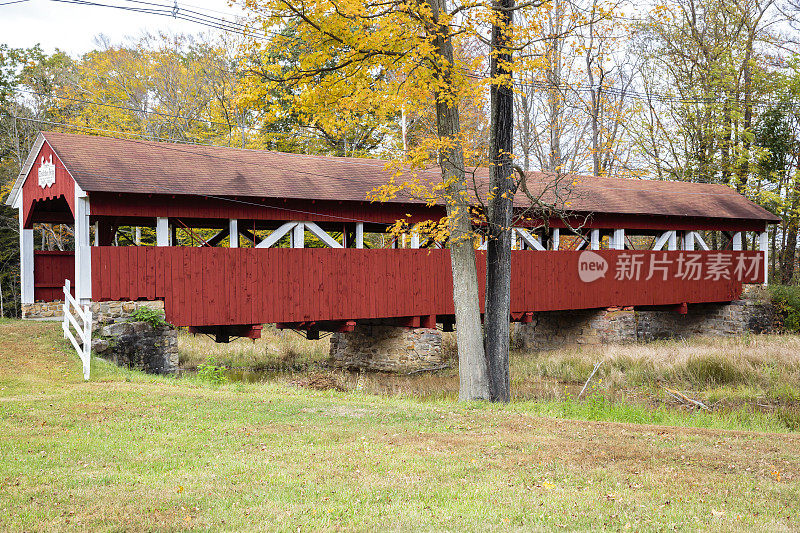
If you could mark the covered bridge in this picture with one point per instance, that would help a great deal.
(643, 240)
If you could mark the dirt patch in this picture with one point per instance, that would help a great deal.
(322, 382)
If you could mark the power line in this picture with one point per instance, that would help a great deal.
(127, 133)
(381, 163)
(244, 30)
(158, 113)
(540, 85)
(357, 161)
(188, 15)
(350, 160)
(292, 210)
(228, 199)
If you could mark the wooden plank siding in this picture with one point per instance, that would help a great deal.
(222, 286)
(201, 211)
(34, 194)
(50, 269)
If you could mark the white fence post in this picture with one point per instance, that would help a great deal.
(65, 320)
(86, 357)
(82, 330)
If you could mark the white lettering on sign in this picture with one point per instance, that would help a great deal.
(47, 173)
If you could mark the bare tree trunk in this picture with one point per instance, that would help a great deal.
(789, 252)
(727, 144)
(525, 134)
(556, 109)
(594, 93)
(556, 105)
(744, 168)
(472, 371)
(500, 206)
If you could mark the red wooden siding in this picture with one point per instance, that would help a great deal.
(222, 286)
(50, 269)
(63, 186)
(219, 210)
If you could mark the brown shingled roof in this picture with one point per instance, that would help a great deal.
(105, 164)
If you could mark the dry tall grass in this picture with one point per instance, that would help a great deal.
(276, 350)
(767, 361)
(760, 371)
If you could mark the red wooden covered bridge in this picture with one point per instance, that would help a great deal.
(227, 249)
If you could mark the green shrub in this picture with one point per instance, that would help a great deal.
(211, 372)
(152, 316)
(786, 299)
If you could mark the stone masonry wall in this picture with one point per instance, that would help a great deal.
(388, 348)
(560, 328)
(139, 345)
(116, 337)
(43, 311)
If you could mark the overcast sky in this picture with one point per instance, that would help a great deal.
(72, 27)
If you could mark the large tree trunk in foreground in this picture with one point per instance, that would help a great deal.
(500, 205)
(472, 373)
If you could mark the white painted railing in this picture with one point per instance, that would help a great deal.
(83, 329)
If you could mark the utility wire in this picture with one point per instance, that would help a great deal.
(351, 160)
(244, 30)
(169, 11)
(126, 133)
(585, 181)
(159, 113)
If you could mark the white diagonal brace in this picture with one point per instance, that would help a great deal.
(529, 240)
(322, 235)
(663, 239)
(276, 235)
(699, 240)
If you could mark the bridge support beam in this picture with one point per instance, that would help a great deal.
(162, 232)
(763, 245)
(25, 259)
(233, 232)
(389, 349)
(359, 234)
(594, 238)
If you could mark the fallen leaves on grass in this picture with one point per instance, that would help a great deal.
(321, 382)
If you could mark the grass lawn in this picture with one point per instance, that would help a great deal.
(127, 451)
